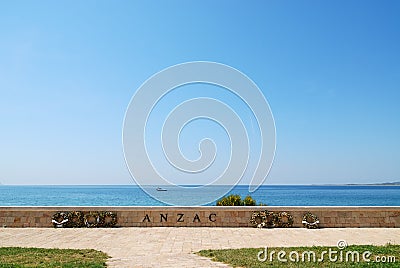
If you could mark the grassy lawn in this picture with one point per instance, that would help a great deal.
(40, 257)
(247, 257)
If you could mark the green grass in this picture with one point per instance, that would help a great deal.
(40, 257)
(247, 257)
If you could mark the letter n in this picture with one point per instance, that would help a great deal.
(163, 217)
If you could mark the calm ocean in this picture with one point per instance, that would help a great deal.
(287, 195)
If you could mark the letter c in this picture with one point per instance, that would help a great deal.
(212, 217)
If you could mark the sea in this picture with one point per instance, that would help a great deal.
(131, 195)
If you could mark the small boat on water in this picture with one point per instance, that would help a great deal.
(161, 189)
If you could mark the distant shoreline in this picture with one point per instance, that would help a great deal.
(362, 184)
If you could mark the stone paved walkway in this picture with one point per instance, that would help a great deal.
(174, 247)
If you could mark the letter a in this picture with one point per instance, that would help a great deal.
(196, 218)
(146, 218)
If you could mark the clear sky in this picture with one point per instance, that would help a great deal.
(330, 71)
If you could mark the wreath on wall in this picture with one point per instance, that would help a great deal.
(284, 219)
(310, 221)
(107, 219)
(75, 219)
(258, 219)
(60, 219)
(91, 219)
(263, 219)
(271, 219)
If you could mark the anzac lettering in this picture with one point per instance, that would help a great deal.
(212, 217)
(163, 217)
(180, 217)
(146, 218)
(196, 218)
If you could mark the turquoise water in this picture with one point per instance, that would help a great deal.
(285, 195)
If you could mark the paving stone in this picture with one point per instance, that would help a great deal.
(175, 247)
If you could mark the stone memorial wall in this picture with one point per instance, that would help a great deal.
(211, 216)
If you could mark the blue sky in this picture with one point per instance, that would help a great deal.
(330, 71)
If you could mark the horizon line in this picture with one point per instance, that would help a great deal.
(395, 183)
